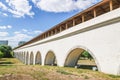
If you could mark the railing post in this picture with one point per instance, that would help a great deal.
(45, 35)
(83, 18)
(55, 31)
(111, 5)
(52, 32)
(60, 28)
(94, 11)
(73, 22)
(66, 26)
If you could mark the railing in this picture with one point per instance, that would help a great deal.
(90, 13)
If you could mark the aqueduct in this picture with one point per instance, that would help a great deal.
(96, 30)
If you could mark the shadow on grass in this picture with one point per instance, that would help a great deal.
(51, 64)
(90, 67)
(6, 62)
(1, 59)
(114, 76)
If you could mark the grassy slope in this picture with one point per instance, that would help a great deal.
(13, 66)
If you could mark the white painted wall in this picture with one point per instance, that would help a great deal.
(100, 36)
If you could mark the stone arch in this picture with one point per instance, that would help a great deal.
(31, 58)
(50, 58)
(74, 54)
(38, 59)
(22, 57)
(27, 57)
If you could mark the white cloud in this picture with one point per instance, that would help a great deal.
(18, 8)
(22, 35)
(3, 34)
(3, 6)
(63, 5)
(5, 27)
(14, 40)
(9, 26)
(17, 32)
(4, 14)
(29, 32)
(37, 32)
(24, 30)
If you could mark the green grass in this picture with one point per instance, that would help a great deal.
(86, 77)
(114, 76)
(50, 72)
(63, 72)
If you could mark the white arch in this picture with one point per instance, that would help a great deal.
(22, 57)
(27, 57)
(74, 54)
(31, 58)
(38, 57)
(50, 58)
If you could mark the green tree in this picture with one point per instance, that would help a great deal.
(1, 54)
(86, 54)
(6, 50)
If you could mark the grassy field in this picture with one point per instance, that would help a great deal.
(13, 69)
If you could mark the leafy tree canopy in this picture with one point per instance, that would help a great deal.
(86, 54)
(6, 50)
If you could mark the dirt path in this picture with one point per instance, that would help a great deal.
(16, 77)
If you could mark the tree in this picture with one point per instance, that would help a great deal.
(6, 50)
(1, 54)
(86, 54)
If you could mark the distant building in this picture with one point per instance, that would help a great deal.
(3, 42)
(21, 42)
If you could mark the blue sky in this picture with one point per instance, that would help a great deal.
(21, 20)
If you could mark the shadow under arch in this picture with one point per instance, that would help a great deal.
(38, 59)
(50, 58)
(31, 58)
(27, 55)
(74, 54)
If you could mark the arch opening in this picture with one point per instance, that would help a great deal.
(50, 59)
(81, 58)
(38, 58)
(31, 58)
(27, 57)
(24, 57)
